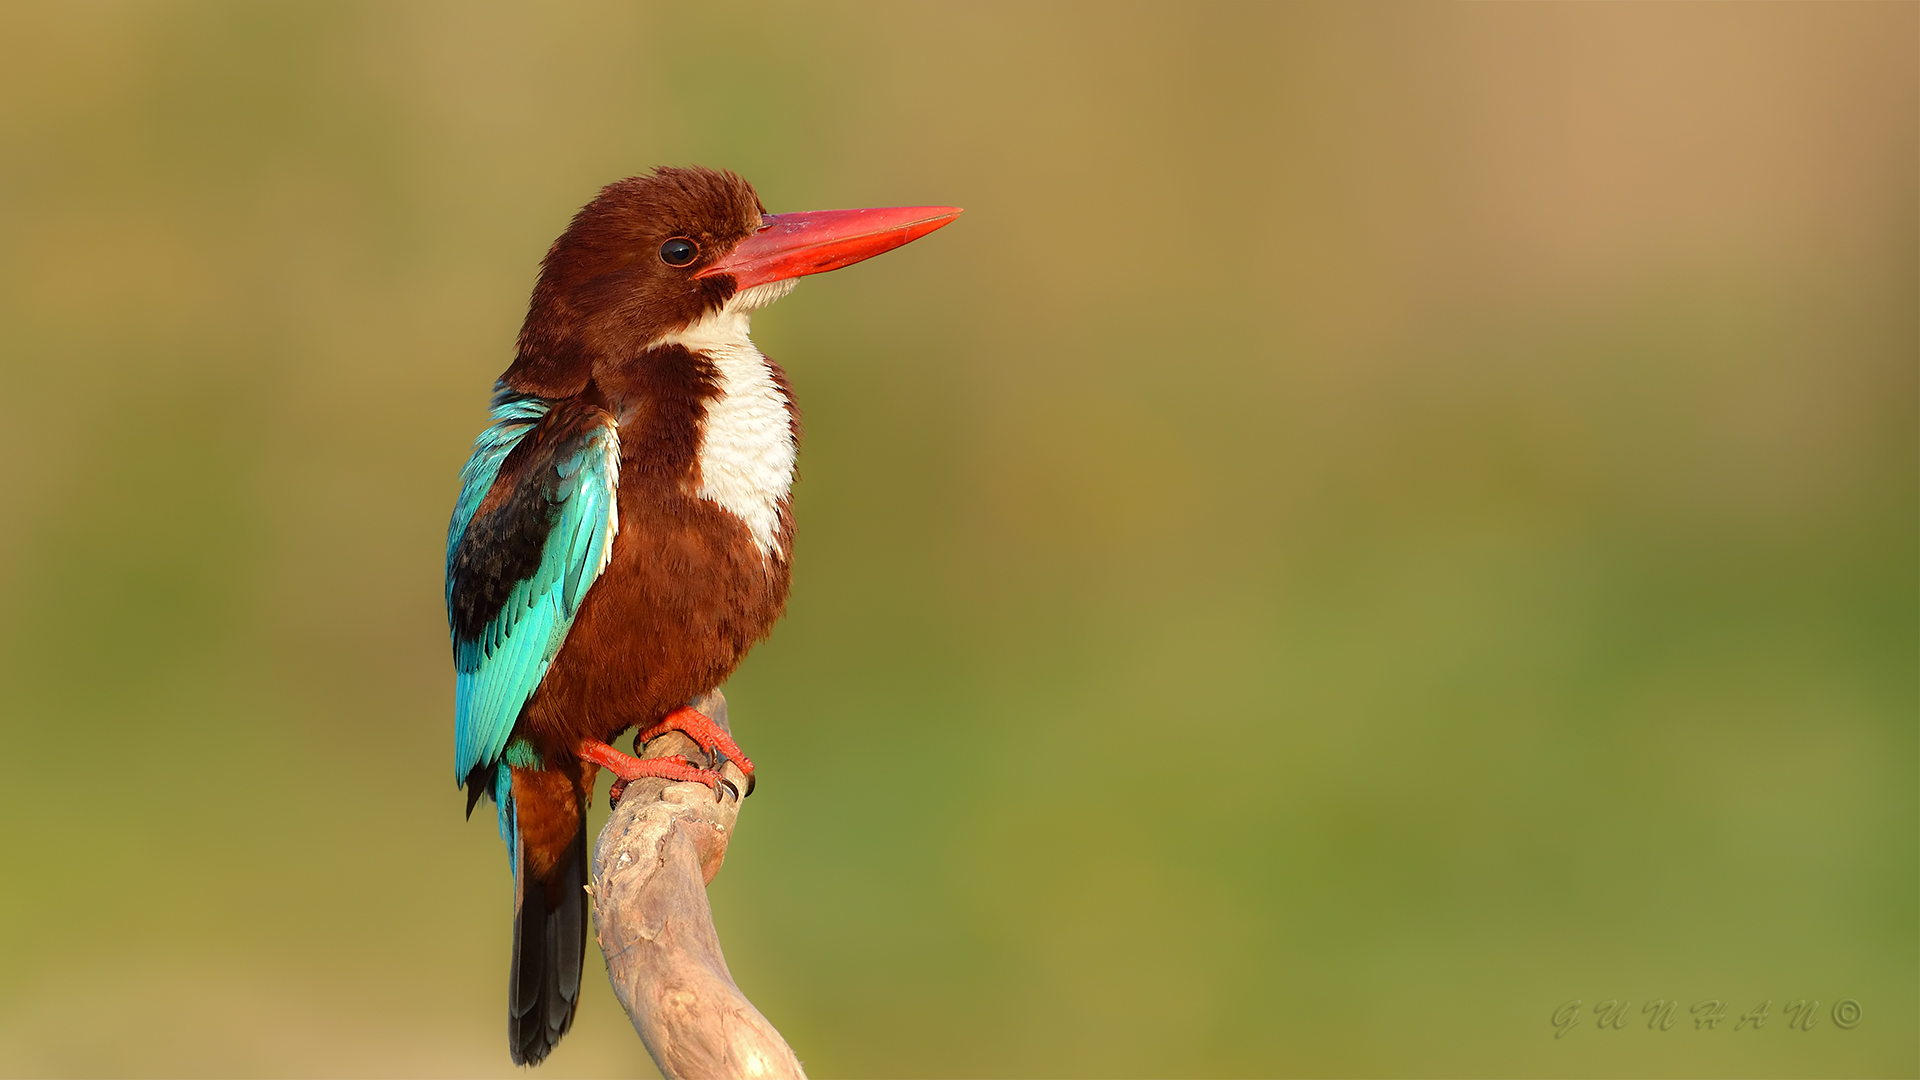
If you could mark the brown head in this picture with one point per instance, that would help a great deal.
(653, 254)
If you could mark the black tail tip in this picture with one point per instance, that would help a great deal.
(549, 947)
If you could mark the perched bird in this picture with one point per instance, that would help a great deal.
(623, 531)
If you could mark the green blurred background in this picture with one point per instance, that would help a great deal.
(1379, 521)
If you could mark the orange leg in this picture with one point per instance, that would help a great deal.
(701, 729)
(629, 768)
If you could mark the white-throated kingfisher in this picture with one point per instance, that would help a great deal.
(624, 528)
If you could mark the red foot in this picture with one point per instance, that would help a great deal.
(628, 768)
(701, 729)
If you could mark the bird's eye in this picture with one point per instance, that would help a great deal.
(678, 251)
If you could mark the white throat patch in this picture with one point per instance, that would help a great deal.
(746, 441)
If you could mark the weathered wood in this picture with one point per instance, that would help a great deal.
(651, 865)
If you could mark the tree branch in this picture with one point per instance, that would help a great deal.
(651, 865)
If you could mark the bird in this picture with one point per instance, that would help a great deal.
(623, 533)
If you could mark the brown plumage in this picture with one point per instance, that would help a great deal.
(686, 593)
(637, 326)
(603, 293)
(683, 598)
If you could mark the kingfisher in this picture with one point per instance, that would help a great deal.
(624, 529)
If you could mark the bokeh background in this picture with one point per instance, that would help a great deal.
(1378, 523)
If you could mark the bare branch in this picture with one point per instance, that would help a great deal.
(651, 865)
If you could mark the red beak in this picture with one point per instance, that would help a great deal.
(794, 245)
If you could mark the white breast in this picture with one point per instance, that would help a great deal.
(746, 442)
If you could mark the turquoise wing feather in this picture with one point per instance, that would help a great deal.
(518, 571)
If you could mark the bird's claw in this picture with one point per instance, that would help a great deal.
(709, 736)
(619, 787)
(717, 766)
(720, 761)
(674, 768)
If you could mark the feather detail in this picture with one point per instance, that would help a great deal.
(532, 530)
